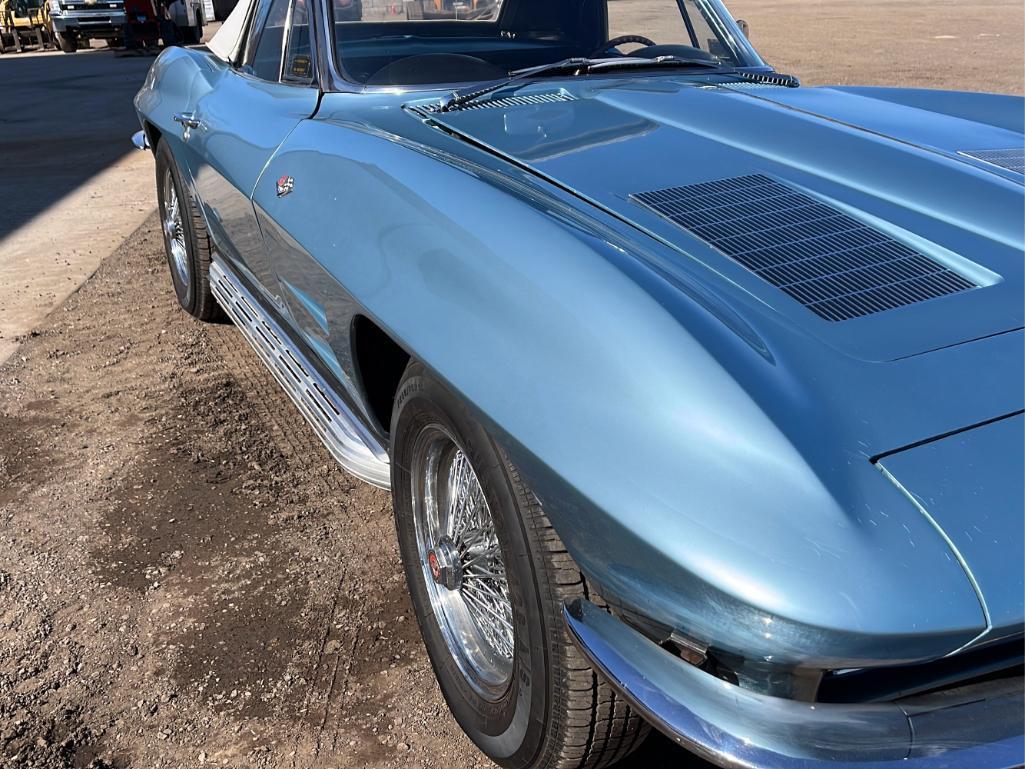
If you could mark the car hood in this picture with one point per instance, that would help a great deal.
(854, 396)
(906, 171)
(970, 485)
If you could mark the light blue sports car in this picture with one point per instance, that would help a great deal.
(699, 393)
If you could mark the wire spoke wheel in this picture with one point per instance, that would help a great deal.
(475, 543)
(174, 230)
(462, 563)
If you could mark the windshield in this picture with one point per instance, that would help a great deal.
(422, 42)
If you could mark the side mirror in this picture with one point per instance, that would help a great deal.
(744, 28)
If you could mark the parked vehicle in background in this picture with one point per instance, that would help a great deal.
(24, 22)
(75, 22)
(448, 9)
(699, 392)
(348, 10)
(189, 16)
(142, 25)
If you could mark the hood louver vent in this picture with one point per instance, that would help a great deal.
(748, 86)
(1010, 159)
(833, 264)
(510, 101)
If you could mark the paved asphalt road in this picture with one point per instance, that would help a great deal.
(71, 187)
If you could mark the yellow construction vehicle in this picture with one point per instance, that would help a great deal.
(24, 22)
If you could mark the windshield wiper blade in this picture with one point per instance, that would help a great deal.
(640, 62)
(766, 78)
(585, 66)
(578, 65)
(464, 96)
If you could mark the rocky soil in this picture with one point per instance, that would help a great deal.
(186, 578)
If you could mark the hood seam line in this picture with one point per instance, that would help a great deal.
(957, 554)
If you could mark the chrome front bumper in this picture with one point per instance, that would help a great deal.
(734, 727)
(90, 21)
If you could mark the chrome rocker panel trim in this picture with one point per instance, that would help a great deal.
(734, 727)
(341, 431)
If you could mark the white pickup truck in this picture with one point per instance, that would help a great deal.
(75, 22)
(190, 16)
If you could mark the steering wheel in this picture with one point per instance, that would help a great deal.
(622, 40)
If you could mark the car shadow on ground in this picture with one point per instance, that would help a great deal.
(64, 118)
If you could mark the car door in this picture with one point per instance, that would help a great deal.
(235, 124)
(309, 301)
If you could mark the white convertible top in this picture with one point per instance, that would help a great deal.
(227, 43)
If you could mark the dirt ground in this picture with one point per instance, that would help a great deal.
(187, 580)
(957, 44)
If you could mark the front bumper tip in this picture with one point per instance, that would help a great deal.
(140, 141)
(735, 727)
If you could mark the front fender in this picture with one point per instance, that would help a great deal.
(177, 78)
(998, 110)
(167, 89)
(630, 400)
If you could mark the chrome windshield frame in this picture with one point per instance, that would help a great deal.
(719, 16)
(333, 78)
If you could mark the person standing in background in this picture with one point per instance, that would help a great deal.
(141, 28)
(169, 33)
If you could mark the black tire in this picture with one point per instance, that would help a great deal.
(115, 42)
(66, 41)
(556, 713)
(193, 288)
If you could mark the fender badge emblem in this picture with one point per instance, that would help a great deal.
(285, 185)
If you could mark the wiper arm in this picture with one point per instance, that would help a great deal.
(640, 62)
(577, 65)
(584, 66)
(765, 78)
(466, 95)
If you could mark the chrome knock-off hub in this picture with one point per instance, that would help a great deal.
(462, 563)
(443, 560)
